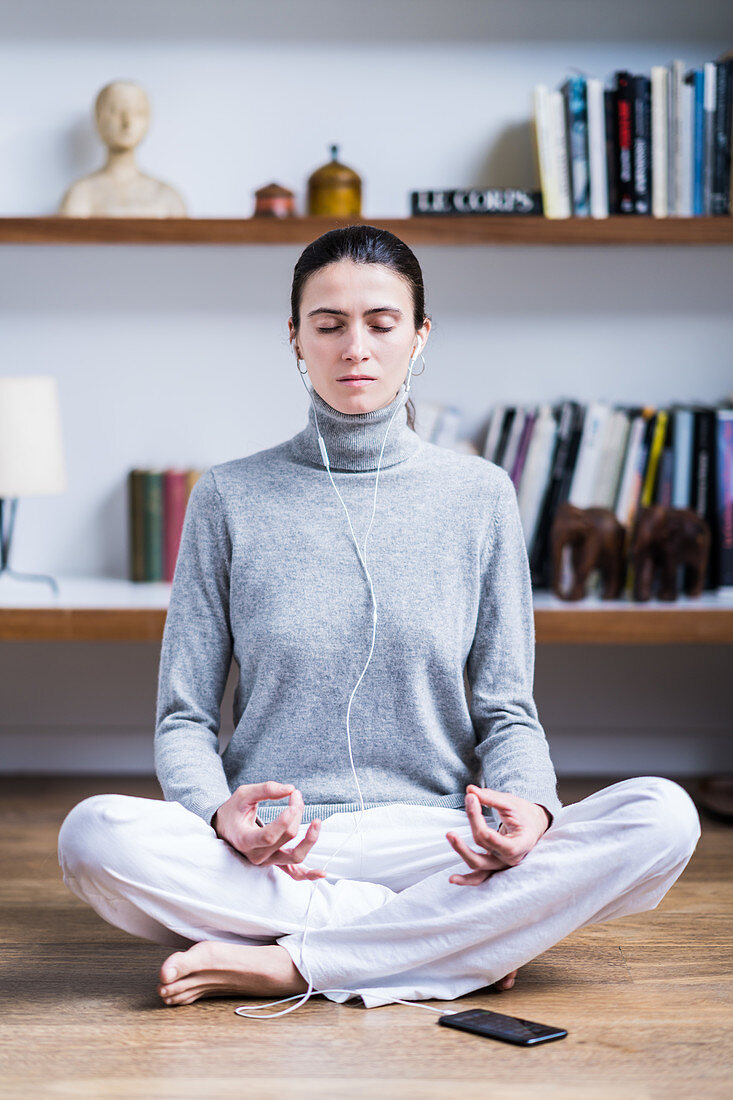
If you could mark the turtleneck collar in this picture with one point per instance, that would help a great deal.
(354, 440)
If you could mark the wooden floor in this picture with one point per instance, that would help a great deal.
(646, 1000)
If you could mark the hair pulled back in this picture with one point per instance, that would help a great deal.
(362, 244)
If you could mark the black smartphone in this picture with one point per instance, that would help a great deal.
(508, 1028)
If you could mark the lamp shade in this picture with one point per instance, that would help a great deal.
(31, 451)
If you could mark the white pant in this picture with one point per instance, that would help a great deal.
(385, 922)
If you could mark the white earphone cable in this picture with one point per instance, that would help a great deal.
(249, 1010)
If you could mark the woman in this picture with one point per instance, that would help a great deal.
(425, 578)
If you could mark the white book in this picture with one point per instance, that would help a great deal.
(536, 473)
(687, 110)
(562, 205)
(541, 98)
(710, 74)
(613, 450)
(674, 123)
(660, 141)
(597, 148)
(589, 453)
(494, 431)
(627, 487)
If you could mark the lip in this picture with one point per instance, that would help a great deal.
(356, 381)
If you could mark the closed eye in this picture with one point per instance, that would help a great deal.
(335, 328)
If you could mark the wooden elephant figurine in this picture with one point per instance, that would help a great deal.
(597, 540)
(665, 538)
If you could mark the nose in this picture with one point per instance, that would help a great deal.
(355, 349)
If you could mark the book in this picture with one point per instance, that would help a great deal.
(576, 132)
(642, 138)
(536, 473)
(175, 498)
(611, 113)
(697, 79)
(720, 197)
(660, 140)
(625, 146)
(157, 502)
(724, 502)
(569, 416)
(703, 492)
(476, 200)
(708, 156)
(598, 177)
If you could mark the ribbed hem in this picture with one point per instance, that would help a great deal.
(268, 811)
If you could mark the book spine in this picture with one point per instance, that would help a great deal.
(698, 131)
(611, 113)
(660, 141)
(708, 156)
(576, 127)
(543, 149)
(598, 178)
(136, 524)
(676, 156)
(722, 139)
(625, 111)
(648, 492)
(687, 111)
(642, 144)
(153, 512)
(175, 495)
(724, 448)
(558, 152)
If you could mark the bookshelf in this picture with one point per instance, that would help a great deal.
(114, 610)
(429, 230)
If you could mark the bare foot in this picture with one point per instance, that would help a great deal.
(506, 982)
(215, 969)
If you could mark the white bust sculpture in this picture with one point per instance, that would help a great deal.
(120, 189)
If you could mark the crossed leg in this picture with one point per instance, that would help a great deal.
(385, 923)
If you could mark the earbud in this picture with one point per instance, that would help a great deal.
(418, 346)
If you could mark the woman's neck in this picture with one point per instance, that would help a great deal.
(354, 441)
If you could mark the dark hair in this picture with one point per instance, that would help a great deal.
(363, 244)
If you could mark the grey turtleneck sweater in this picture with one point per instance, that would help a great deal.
(268, 573)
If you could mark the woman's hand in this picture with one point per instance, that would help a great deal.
(522, 825)
(236, 822)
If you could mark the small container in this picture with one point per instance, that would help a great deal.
(274, 201)
(334, 190)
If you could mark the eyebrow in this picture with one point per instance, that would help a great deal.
(367, 312)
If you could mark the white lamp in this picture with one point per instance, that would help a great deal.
(31, 453)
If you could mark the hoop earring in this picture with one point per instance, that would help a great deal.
(297, 363)
(417, 373)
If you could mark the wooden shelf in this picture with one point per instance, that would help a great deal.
(438, 230)
(109, 610)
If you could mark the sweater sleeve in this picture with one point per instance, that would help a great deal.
(511, 743)
(195, 658)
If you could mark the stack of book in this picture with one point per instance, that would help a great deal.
(157, 500)
(621, 457)
(657, 144)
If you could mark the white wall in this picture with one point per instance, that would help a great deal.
(178, 355)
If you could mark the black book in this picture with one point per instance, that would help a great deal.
(506, 426)
(703, 487)
(611, 112)
(570, 416)
(720, 195)
(625, 161)
(642, 158)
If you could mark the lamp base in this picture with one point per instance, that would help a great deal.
(5, 539)
(31, 577)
